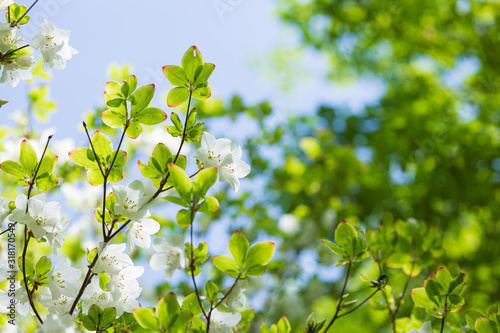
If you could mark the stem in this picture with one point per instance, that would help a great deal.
(27, 236)
(335, 316)
(11, 228)
(86, 282)
(25, 279)
(92, 147)
(191, 266)
(107, 236)
(359, 305)
(212, 308)
(442, 323)
(164, 181)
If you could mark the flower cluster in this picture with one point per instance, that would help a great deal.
(52, 42)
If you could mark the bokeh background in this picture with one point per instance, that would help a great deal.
(370, 111)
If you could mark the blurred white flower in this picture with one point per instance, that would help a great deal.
(169, 256)
(57, 324)
(288, 223)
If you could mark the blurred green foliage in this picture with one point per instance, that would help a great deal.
(428, 150)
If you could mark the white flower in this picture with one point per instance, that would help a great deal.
(425, 328)
(41, 217)
(60, 306)
(8, 37)
(22, 301)
(132, 200)
(53, 43)
(63, 279)
(125, 303)
(95, 295)
(139, 233)
(217, 153)
(57, 324)
(125, 282)
(231, 172)
(5, 3)
(4, 302)
(223, 322)
(55, 238)
(169, 256)
(236, 298)
(16, 70)
(112, 260)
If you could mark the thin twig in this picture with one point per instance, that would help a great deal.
(335, 316)
(360, 304)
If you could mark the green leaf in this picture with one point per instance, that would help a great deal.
(177, 96)
(132, 82)
(104, 280)
(184, 218)
(113, 119)
(47, 165)
(226, 264)
(177, 201)
(181, 182)
(191, 60)
(146, 318)
(102, 145)
(484, 325)
(43, 266)
(91, 255)
(190, 304)
(167, 310)
(209, 205)
(83, 157)
(141, 98)
(421, 299)
(238, 246)
(107, 317)
(202, 93)
(148, 172)
(120, 160)
(115, 175)
(205, 179)
(471, 316)
(346, 237)
(95, 177)
(16, 12)
(257, 258)
(176, 75)
(151, 116)
(161, 157)
(205, 73)
(13, 168)
(211, 290)
(28, 158)
(134, 129)
(333, 247)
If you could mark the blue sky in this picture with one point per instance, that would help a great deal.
(236, 35)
